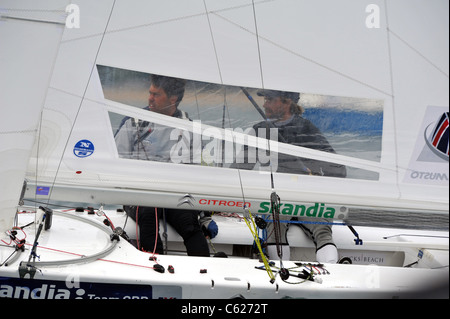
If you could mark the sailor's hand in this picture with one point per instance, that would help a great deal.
(212, 230)
(209, 227)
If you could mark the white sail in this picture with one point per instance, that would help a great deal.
(372, 77)
(29, 42)
(400, 63)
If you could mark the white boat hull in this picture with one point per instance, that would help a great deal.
(66, 269)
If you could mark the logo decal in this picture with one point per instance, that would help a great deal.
(438, 141)
(42, 190)
(319, 210)
(186, 199)
(429, 160)
(83, 148)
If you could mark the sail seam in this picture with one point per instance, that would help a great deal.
(303, 57)
(213, 42)
(417, 51)
(19, 132)
(259, 48)
(155, 23)
(32, 20)
(391, 74)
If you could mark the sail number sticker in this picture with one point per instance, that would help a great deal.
(83, 148)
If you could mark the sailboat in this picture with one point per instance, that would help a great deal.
(373, 77)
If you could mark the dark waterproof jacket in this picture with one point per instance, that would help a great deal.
(300, 131)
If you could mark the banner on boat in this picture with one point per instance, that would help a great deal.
(429, 161)
(312, 210)
(49, 289)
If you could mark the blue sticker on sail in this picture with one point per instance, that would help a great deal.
(83, 148)
(42, 190)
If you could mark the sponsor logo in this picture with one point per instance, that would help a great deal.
(318, 210)
(42, 190)
(47, 289)
(438, 141)
(224, 203)
(429, 176)
(429, 161)
(83, 148)
(186, 199)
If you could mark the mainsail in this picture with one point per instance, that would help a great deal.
(29, 43)
(397, 67)
(371, 78)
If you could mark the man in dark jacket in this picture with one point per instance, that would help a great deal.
(284, 113)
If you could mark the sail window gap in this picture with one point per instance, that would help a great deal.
(225, 130)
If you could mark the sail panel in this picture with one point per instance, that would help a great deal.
(220, 46)
(24, 82)
(419, 56)
(351, 78)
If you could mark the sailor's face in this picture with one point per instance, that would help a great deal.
(274, 108)
(159, 102)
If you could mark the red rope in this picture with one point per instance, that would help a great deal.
(100, 259)
(137, 233)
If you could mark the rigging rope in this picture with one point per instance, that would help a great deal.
(248, 218)
(274, 198)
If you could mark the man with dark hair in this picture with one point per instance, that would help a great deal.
(149, 141)
(165, 94)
